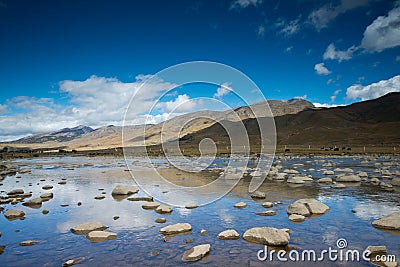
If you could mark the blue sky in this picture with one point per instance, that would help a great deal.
(64, 63)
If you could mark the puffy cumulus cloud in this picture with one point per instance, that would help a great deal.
(181, 104)
(95, 102)
(333, 54)
(223, 90)
(383, 32)
(244, 3)
(373, 90)
(320, 69)
(325, 105)
(3, 109)
(321, 17)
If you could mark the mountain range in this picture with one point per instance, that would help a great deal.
(298, 122)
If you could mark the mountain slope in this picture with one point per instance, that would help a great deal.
(370, 122)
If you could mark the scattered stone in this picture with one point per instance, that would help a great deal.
(203, 232)
(72, 262)
(100, 236)
(343, 170)
(125, 190)
(258, 195)
(85, 228)
(146, 198)
(46, 196)
(64, 205)
(267, 204)
(47, 187)
(160, 220)
(267, 236)
(45, 211)
(26, 170)
(115, 218)
(176, 228)
(229, 235)
(266, 213)
(296, 218)
(328, 172)
(163, 209)
(375, 181)
(188, 240)
(14, 214)
(363, 174)
(338, 185)
(288, 171)
(150, 205)
(348, 178)
(353, 211)
(295, 180)
(240, 205)
(154, 253)
(191, 206)
(15, 192)
(391, 222)
(35, 202)
(375, 250)
(62, 182)
(325, 181)
(307, 207)
(197, 253)
(2, 248)
(28, 243)
(396, 181)
(79, 203)
(99, 197)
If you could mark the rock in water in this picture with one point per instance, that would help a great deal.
(396, 181)
(348, 178)
(296, 218)
(15, 192)
(267, 236)
(100, 236)
(125, 190)
(47, 187)
(163, 209)
(306, 207)
(160, 220)
(176, 229)
(150, 205)
(229, 235)
(85, 228)
(240, 205)
(266, 213)
(35, 202)
(46, 196)
(197, 253)
(258, 195)
(14, 214)
(72, 262)
(267, 204)
(28, 243)
(391, 222)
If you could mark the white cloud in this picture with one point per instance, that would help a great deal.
(181, 104)
(398, 58)
(95, 102)
(321, 17)
(383, 32)
(333, 97)
(321, 69)
(261, 31)
(289, 49)
(223, 90)
(3, 109)
(300, 97)
(374, 90)
(288, 28)
(325, 105)
(333, 54)
(245, 3)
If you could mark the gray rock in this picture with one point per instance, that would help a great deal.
(343, 170)
(46, 196)
(328, 172)
(363, 174)
(391, 222)
(47, 187)
(258, 195)
(296, 218)
(191, 206)
(150, 205)
(72, 262)
(348, 178)
(100, 236)
(35, 202)
(229, 235)
(203, 232)
(295, 180)
(267, 236)
(160, 220)
(146, 198)
(338, 185)
(267, 204)
(125, 190)
(312, 206)
(85, 228)
(325, 181)
(15, 192)
(163, 209)
(266, 213)
(288, 171)
(396, 181)
(28, 243)
(14, 214)
(197, 253)
(377, 250)
(176, 229)
(240, 205)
